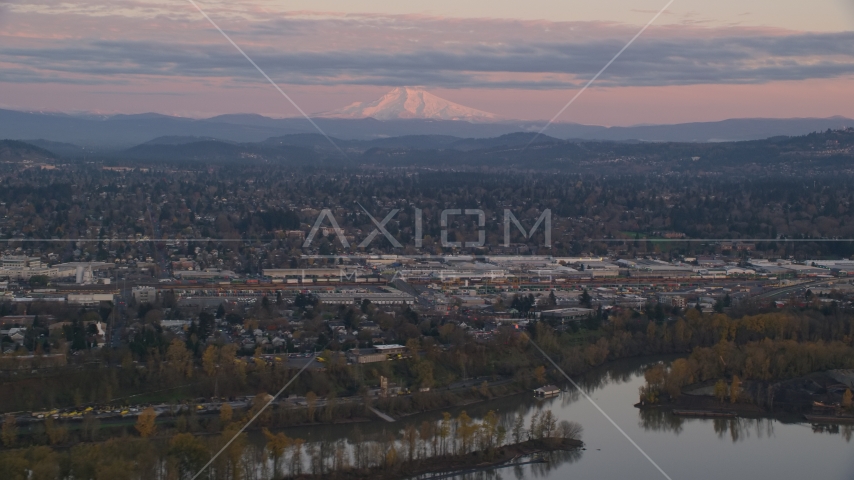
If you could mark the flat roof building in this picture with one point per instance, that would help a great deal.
(144, 294)
(390, 349)
(563, 314)
(89, 299)
(356, 298)
(303, 273)
(357, 356)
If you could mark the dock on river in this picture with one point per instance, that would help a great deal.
(704, 413)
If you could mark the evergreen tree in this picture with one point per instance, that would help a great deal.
(585, 300)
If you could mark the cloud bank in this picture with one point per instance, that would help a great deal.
(91, 43)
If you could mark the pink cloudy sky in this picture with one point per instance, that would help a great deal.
(701, 60)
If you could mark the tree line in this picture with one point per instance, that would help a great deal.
(179, 456)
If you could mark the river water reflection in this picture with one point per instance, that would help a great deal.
(693, 449)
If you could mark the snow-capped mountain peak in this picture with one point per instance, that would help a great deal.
(411, 102)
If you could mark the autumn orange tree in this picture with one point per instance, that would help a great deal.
(466, 429)
(146, 422)
(444, 432)
(540, 374)
(720, 390)
(9, 433)
(230, 462)
(276, 446)
(189, 454)
(734, 389)
(56, 433)
(491, 432)
(311, 403)
(225, 414)
(180, 360)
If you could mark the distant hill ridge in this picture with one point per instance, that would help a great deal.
(16, 151)
(124, 131)
(831, 150)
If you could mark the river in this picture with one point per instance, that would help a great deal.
(693, 449)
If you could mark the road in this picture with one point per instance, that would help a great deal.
(211, 406)
(793, 288)
(120, 316)
(156, 234)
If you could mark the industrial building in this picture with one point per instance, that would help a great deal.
(564, 314)
(357, 297)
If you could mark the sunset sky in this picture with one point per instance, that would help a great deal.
(701, 60)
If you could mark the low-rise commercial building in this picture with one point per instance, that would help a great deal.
(20, 261)
(358, 356)
(89, 299)
(144, 294)
(642, 268)
(672, 299)
(390, 349)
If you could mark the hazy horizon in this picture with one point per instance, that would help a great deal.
(323, 115)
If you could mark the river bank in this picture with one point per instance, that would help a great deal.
(816, 397)
(453, 464)
(685, 447)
